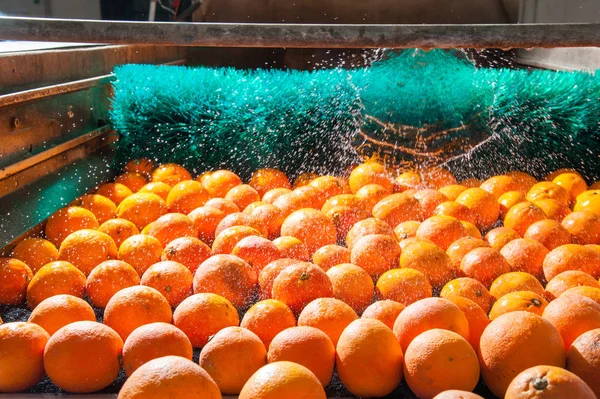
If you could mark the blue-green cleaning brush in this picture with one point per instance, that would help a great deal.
(408, 108)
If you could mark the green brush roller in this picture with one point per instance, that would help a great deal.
(409, 109)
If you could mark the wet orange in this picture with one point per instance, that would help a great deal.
(343, 218)
(103, 208)
(242, 195)
(397, 208)
(386, 311)
(572, 315)
(35, 253)
(116, 192)
(518, 301)
(553, 209)
(57, 311)
(186, 196)
(270, 196)
(264, 180)
(407, 229)
(304, 178)
(456, 210)
(369, 173)
(66, 221)
(172, 279)
(352, 285)
(572, 183)
(291, 247)
(523, 215)
(441, 230)
(549, 233)
(459, 248)
(188, 251)
(223, 205)
(376, 254)
(366, 227)
(310, 226)
(257, 251)
(267, 318)
(206, 219)
(404, 285)
(430, 260)
(270, 272)
(583, 359)
(484, 264)
(571, 257)
(331, 186)
(477, 318)
(469, 288)
(282, 380)
(271, 218)
(371, 194)
(219, 182)
(158, 188)
(55, 278)
(240, 219)
(140, 251)
(228, 238)
(142, 209)
(548, 382)
(516, 281)
(498, 185)
(118, 229)
(452, 191)
(584, 227)
(301, 283)
(108, 278)
(508, 200)
(544, 190)
(15, 276)
(329, 315)
(525, 255)
(172, 226)
(142, 166)
(407, 181)
(331, 255)
(483, 205)
(569, 279)
(500, 236)
(87, 248)
(133, 180)
(170, 174)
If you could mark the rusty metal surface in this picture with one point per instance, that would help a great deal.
(302, 35)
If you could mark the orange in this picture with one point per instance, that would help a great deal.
(553, 209)
(573, 315)
(441, 230)
(142, 166)
(369, 358)
(429, 200)
(343, 218)
(55, 278)
(571, 257)
(158, 188)
(548, 382)
(405, 286)
(310, 226)
(428, 259)
(228, 276)
(171, 226)
(206, 219)
(202, 315)
(172, 279)
(299, 284)
(219, 182)
(142, 209)
(242, 195)
(264, 180)
(589, 292)
(560, 171)
(304, 178)
(514, 342)
(15, 276)
(307, 346)
(544, 190)
(329, 315)
(66, 221)
(118, 229)
(22, 347)
(188, 251)
(500, 236)
(459, 248)
(133, 180)
(508, 200)
(409, 241)
(572, 183)
(87, 248)
(472, 230)
(184, 379)
(583, 359)
(584, 227)
(231, 357)
(223, 205)
(291, 247)
(516, 281)
(523, 179)
(107, 279)
(103, 208)
(270, 196)
(283, 380)
(457, 394)
(371, 194)
(471, 182)
(484, 264)
(369, 173)
(525, 255)
(170, 174)
(136, 306)
(484, 206)
(452, 191)
(331, 186)
(588, 201)
(471, 289)
(303, 197)
(271, 218)
(595, 185)
(152, 341)
(569, 279)
(498, 185)
(477, 318)
(186, 196)
(366, 227)
(437, 360)
(257, 251)
(226, 240)
(140, 251)
(57, 311)
(331, 255)
(518, 300)
(427, 314)
(349, 200)
(83, 357)
(35, 252)
(436, 177)
(268, 318)
(456, 210)
(407, 181)
(549, 233)
(407, 229)
(386, 311)
(352, 285)
(116, 192)
(397, 208)
(240, 219)
(523, 215)
(376, 254)
(268, 275)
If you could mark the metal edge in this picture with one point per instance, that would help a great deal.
(302, 35)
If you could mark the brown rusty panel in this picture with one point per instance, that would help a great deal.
(22, 71)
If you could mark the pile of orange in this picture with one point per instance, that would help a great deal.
(382, 276)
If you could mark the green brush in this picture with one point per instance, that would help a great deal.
(411, 108)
